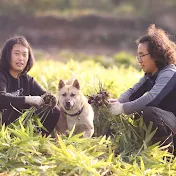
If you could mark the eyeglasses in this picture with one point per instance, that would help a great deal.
(139, 58)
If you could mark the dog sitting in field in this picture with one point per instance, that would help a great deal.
(75, 110)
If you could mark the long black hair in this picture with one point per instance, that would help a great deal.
(5, 58)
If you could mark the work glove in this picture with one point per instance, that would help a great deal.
(116, 108)
(112, 100)
(36, 101)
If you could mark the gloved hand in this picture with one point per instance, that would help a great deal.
(112, 100)
(36, 101)
(49, 100)
(116, 108)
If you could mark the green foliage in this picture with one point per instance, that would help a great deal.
(114, 79)
(125, 59)
(127, 150)
(26, 152)
(119, 59)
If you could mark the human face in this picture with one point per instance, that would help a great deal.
(145, 60)
(19, 59)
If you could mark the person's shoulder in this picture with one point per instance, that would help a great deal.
(169, 68)
(3, 75)
(168, 71)
(27, 78)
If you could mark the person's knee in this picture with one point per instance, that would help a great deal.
(148, 111)
(56, 112)
(148, 115)
(51, 120)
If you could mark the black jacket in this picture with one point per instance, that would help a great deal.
(13, 91)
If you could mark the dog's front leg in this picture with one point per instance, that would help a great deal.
(88, 133)
(90, 128)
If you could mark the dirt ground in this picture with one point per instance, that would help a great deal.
(91, 34)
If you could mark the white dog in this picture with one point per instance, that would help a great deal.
(75, 110)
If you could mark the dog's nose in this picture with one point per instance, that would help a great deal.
(67, 104)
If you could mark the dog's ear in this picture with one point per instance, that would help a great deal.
(61, 84)
(76, 84)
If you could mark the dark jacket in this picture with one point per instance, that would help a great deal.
(158, 90)
(13, 91)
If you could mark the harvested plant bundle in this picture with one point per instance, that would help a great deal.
(100, 98)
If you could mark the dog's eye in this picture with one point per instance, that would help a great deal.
(72, 95)
(64, 94)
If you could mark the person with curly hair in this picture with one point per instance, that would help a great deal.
(155, 94)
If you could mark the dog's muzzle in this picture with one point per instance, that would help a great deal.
(68, 105)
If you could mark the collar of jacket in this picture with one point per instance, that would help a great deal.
(152, 77)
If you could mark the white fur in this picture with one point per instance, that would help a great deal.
(86, 118)
(84, 121)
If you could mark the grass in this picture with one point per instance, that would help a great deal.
(127, 151)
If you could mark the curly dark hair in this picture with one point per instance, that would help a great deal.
(160, 46)
(5, 58)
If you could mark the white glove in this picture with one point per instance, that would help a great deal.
(116, 108)
(36, 101)
(112, 100)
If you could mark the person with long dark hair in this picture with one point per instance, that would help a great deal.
(155, 94)
(18, 90)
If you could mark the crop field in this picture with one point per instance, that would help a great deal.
(125, 151)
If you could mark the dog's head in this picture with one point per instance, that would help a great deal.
(69, 95)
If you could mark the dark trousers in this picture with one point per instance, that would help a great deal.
(10, 115)
(164, 121)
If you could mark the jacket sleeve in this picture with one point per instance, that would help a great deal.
(163, 85)
(135, 92)
(36, 89)
(8, 100)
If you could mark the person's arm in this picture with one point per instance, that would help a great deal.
(35, 88)
(135, 92)
(164, 84)
(8, 100)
